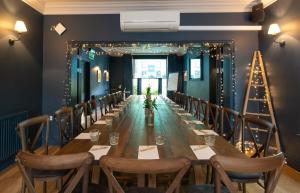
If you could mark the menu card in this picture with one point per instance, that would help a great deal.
(204, 132)
(100, 122)
(83, 136)
(148, 152)
(202, 152)
(99, 150)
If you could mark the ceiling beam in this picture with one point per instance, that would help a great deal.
(115, 7)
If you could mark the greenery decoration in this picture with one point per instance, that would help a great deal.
(149, 103)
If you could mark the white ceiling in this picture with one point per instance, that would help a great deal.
(65, 7)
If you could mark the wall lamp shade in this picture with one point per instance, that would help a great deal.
(274, 30)
(20, 27)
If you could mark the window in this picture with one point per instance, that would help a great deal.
(150, 68)
(195, 68)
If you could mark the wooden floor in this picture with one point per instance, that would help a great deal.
(10, 182)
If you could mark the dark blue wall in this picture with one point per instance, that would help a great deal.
(21, 64)
(99, 62)
(107, 28)
(283, 71)
(197, 88)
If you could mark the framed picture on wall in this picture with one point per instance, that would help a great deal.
(99, 77)
(196, 69)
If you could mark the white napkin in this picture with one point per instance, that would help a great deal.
(83, 136)
(101, 122)
(148, 152)
(99, 150)
(204, 132)
(198, 122)
(186, 114)
(202, 152)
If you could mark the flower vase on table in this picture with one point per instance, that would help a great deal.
(149, 106)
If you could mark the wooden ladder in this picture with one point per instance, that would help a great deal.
(258, 69)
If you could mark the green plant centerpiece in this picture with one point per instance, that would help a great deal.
(149, 106)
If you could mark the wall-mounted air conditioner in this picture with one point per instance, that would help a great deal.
(150, 21)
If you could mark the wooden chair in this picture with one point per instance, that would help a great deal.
(213, 117)
(271, 166)
(65, 121)
(101, 105)
(28, 127)
(79, 111)
(187, 102)
(261, 148)
(230, 122)
(249, 125)
(141, 168)
(23, 130)
(80, 163)
(91, 108)
(203, 111)
(194, 107)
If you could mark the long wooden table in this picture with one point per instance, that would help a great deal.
(134, 132)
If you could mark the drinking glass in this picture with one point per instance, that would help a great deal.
(108, 121)
(114, 138)
(210, 140)
(160, 140)
(94, 135)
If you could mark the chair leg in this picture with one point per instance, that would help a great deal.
(23, 186)
(44, 187)
(59, 184)
(244, 188)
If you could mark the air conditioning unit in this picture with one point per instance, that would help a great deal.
(150, 21)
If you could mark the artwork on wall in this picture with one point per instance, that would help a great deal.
(195, 68)
(106, 75)
(99, 77)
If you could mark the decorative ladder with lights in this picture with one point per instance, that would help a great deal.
(257, 82)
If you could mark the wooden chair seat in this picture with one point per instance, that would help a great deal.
(206, 188)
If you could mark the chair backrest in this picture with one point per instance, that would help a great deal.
(213, 117)
(79, 111)
(230, 123)
(194, 107)
(142, 167)
(101, 105)
(29, 127)
(203, 111)
(65, 119)
(110, 99)
(91, 107)
(271, 166)
(261, 141)
(81, 162)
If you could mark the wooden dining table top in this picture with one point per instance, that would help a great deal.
(134, 131)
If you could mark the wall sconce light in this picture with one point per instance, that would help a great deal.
(274, 30)
(59, 28)
(20, 27)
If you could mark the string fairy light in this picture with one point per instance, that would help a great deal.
(118, 49)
